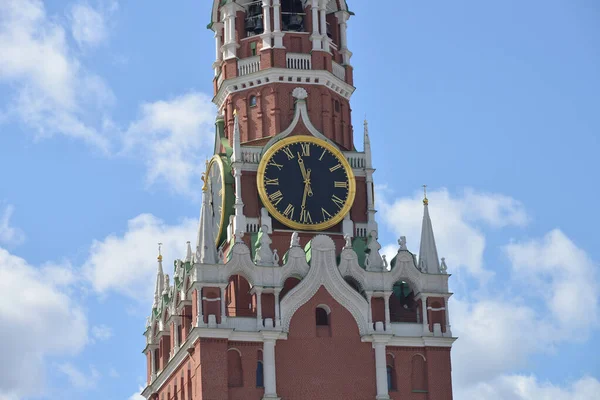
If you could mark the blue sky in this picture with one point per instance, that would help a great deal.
(106, 120)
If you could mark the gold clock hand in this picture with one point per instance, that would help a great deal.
(307, 189)
(302, 168)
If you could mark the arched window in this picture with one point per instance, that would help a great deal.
(254, 20)
(322, 317)
(403, 307)
(234, 368)
(391, 373)
(292, 15)
(252, 101)
(419, 374)
(259, 375)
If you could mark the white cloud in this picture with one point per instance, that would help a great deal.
(137, 396)
(102, 332)
(88, 25)
(562, 274)
(8, 233)
(518, 387)
(127, 264)
(457, 222)
(173, 137)
(79, 379)
(38, 320)
(51, 89)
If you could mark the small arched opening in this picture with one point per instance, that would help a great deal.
(323, 321)
(391, 373)
(403, 307)
(419, 373)
(260, 378)
(234, 368)
(238, 298)
(355, 285)
(288, 285)
(293, 17)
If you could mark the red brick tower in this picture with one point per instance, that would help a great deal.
(287, 295)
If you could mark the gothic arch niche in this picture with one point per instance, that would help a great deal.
(390, 362)
(403, 307)
(354, 284)
(238, 300)
(288, 285)
(419, 373)
(234, 368)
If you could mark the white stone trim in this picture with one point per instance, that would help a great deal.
(324, 274)
(291, 76)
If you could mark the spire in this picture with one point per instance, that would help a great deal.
(428, 256)
(206, 249)
(160, 279)
(236, 163)
(367, 146)
(188, 254)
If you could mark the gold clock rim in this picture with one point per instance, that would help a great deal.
(217, 159)
(262, 192)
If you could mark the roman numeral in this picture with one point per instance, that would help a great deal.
(343, 185)
(274, 164)
(305, 217)
(274, 182)
(338, 202)
(322, 155)
(288, 153)
(276, 197)
(305, 149)
(335, 167)
(326, 214)
(289, 212)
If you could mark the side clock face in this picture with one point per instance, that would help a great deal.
(306, 183)
(216, 196)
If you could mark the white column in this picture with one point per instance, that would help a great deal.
(270, 376)
(200, 315)
(370, 311)
(316, 36)
(230, 46)
(387, 310)
(277, 316)
(223, 312)
(381, 371)
(259, 319)
(218, 47)
(266, 36)
(176, 336)
(153, 363)
(277, 34)
(324, 36)
(425, 319)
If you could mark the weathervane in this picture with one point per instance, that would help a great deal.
(425, 200)
(159, 252)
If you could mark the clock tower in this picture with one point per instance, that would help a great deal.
(286, 294)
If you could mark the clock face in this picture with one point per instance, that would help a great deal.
(306, 183)
(216, 195)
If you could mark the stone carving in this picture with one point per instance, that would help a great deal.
(348, 240)
(402, 243)
(295, 240)
(373, 262)
(443, 266)
(264, 254)
(167, 285)
(221, 259)
(300, 93)
(385, 263)
(275, 258)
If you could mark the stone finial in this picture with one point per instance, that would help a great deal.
(264, 254)
(221, 259)
(188, 255)
(385, 263)
(348, 240)
(275, 258)
(402, 243)
(295, 240)
(443, 266)
(167, 285)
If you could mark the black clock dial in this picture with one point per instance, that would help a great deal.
(308, 184)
